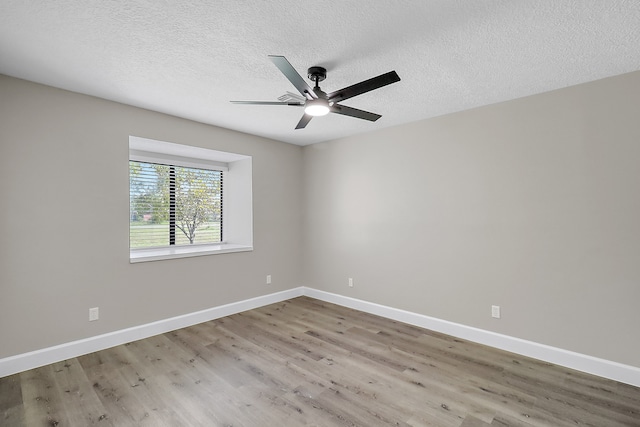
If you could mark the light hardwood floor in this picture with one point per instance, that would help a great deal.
(304, 362)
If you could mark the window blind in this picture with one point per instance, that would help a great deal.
(174, 205)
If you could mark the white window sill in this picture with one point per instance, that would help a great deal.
(156, 254)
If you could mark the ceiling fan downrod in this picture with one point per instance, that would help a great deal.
(317, 74)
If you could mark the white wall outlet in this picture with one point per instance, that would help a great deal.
(268, 279)
(351, 282)
(495, 311)
(94, 314)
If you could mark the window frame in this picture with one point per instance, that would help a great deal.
(237, 225)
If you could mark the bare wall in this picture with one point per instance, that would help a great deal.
(64, 220)
(532, 204)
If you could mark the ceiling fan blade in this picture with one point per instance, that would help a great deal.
(293, 76)
(295, 104)
(363, 87)
(304, 121)
(354, 112)
(291, 97)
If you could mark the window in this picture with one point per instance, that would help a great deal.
(173, 205)
(187, 201)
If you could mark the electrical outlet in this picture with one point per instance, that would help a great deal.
(94, 314)
(495, 311)
(268, 279)
(351, 282)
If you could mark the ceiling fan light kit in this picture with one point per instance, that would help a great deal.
(317, 107)
(318, 103)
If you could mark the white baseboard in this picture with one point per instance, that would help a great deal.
(46, 356)
(580, 362)
(592, 365)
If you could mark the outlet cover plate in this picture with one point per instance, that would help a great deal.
(495, 311)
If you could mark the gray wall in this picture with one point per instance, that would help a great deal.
(532, 204)
(64, 243)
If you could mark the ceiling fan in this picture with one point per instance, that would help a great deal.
(318, 103)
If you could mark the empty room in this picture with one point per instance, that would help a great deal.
(295, 213)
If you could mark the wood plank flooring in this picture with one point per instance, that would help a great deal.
(304, 362)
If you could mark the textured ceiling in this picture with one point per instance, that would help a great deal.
(190, 58)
